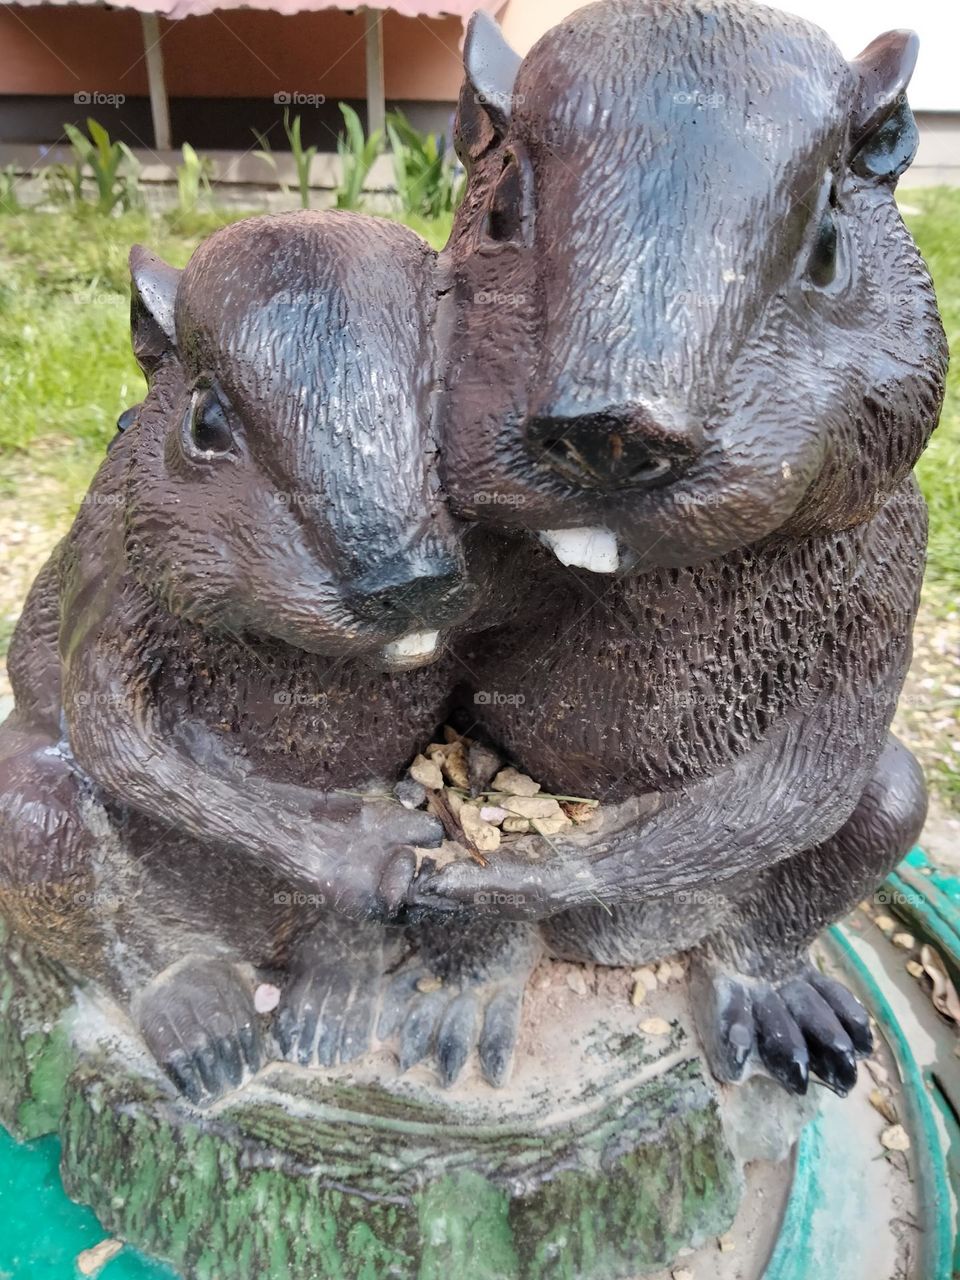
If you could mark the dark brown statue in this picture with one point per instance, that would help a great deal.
(691, 343)
(685, 347)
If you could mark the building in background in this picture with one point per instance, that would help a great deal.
(229, 71)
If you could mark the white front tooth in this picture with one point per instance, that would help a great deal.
(594, 549)
(415, 644)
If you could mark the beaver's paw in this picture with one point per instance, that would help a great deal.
(810, 1024)
(200, 1024)
(327, 1010)
(448, 1020)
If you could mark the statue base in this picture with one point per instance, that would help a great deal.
(610, 1151)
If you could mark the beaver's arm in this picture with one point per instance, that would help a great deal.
(793, 790)
(110, 643)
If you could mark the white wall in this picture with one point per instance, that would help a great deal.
(851, 23)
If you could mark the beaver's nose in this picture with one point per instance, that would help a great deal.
(410, 590)
(615, 448)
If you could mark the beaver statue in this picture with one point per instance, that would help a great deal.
(689, 344)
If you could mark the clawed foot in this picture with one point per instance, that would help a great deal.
(810, 1024)
(445, 1005)
(200, 1025)
(327, 1010)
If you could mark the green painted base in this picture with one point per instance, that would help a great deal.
(607, 1153)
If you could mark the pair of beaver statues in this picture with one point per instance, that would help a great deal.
(637, 446)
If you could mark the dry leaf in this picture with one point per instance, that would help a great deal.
(884, 1104)
(427, 773)
(895, 1138)
(944, 993)
(655, 1027)
(905, 940)
(93, 1260)
(450, 735)
(454, 765)
(514, 783)
(578, 811)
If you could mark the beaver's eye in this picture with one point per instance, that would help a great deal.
(822, 267)
(505, 218)
(208, 428)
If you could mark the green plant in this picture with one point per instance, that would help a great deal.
(357, 155)
(193, 179)
(424, 172)
(112, 165)
(302, 156)
(8, 190)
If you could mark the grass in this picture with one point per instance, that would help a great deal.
(66, 372)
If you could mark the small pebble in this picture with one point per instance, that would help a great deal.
(93, 1260)
(410, 793)
(647, 977)
(682, 1274)
(914, 968)
(655, 1027)
(429, 984)
(885, 923)
(576, 982)
(639, 994)
(514, 783)
(905, 940)
(266, 997)
(427, 772)
(895, 1138)
(726, 1244)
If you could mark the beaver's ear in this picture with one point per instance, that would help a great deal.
(486, 98)
(883, 132)
(152, 295)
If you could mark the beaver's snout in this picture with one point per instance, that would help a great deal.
(615, 448)
(429, 590)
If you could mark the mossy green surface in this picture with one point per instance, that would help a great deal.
(316, 1179)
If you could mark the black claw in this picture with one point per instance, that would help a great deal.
(184, 1075)
(783, 1050)
(228, 1051)
(456, 1037)
(849, 1011)
(307, 1033)
(250, 1045)
(208, 1065)
(735, 1036)
(356, 1030)
(831, 1051)
(285, 1030)
(499, 1037)
(416, 1036)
